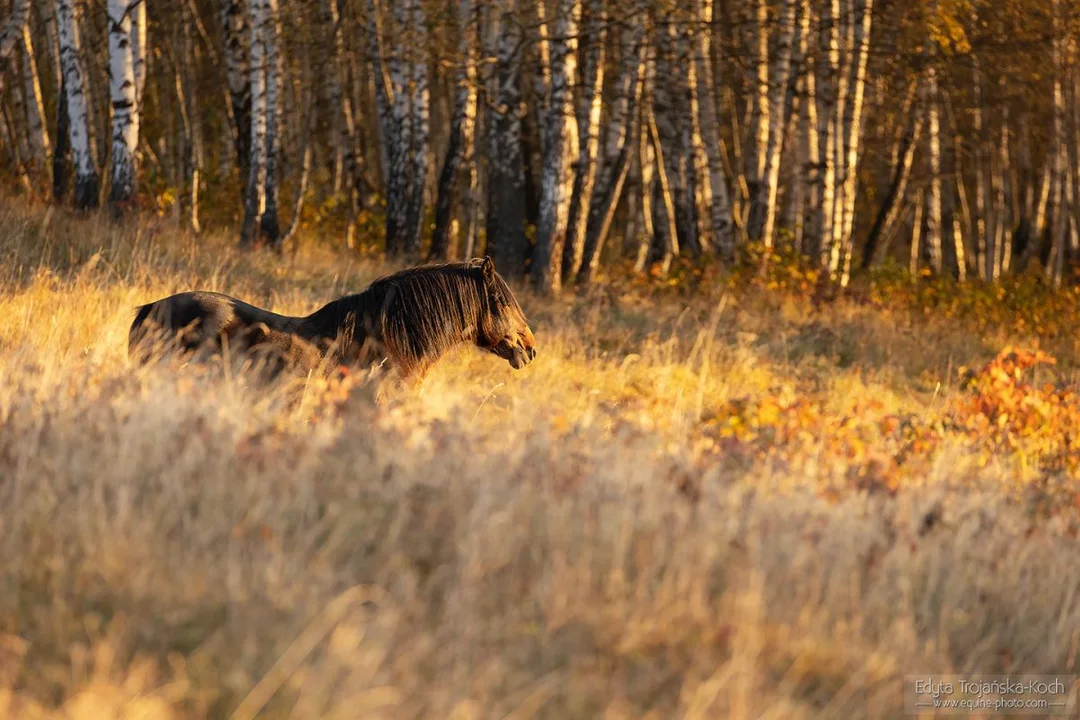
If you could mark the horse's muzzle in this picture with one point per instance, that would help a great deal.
(519, 357)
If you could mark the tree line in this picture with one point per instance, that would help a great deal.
(568, 137)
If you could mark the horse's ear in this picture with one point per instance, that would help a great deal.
(487, 266)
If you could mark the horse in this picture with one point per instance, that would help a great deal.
(405, 321)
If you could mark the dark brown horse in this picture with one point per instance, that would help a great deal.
(407, 320)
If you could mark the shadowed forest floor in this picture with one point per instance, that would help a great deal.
(714, 503)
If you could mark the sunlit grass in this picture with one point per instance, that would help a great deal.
(679, 510)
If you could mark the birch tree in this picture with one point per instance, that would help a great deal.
(82, 150)
(36, 128)
(588, 119)
(619, 142)
(125, 111)
(461, 147)
(402, 96)
(560, 134)
(902, 160)
(933, 215)
(720, 210)
(238, 74)
(862, 13)
(1055, 268)
(827, 84)
(762, 222)
(10, 34)
(506, 242)
(255, 206)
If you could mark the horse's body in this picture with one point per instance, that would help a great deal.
(408, 319)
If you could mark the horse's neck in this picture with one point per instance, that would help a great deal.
(328, 321)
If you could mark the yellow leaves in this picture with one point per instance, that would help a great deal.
(947, 26)
(1004, 413)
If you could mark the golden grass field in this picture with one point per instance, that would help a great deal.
(741, 507)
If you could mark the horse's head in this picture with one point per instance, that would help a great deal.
(504, 329)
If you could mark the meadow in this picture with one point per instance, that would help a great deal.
(709, 497)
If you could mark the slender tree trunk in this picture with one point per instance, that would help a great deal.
(82, 149)
(828, 80)
(125, 110)
(903, 160)
(10, 34)
(255, 205)
(617, 155)
(720, 209)
(460, 149)
(761, 111)
(671, 113)
(560, 143)
(811, 177)
(854, 129)
(61, 169)
(595, 36)
(983, 243)
(1056, 268)
(402, 96)
(506, 242)
(36, 128)
(420, 117)
(270, 224)
(139, 50)
(647, 164)
(238, 73)
(762, 222)
(916, 231)
(665, 210)
(190, 117)
(933, 217)
(1002, 234)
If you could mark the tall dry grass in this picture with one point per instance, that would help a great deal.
(567, 541)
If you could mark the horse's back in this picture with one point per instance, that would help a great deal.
(201, 321)
(191, 318)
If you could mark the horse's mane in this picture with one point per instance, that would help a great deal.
(424, 311)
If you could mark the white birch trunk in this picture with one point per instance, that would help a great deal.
(420, 119)
(1056, 267)
(762, 111)
(255, 204)
(270, 226)
(238, 74)
(595, 34)
(139, 49)
(10, 34)
(720, 210)
(1001, 210)
(811, 175)
(561, 133)
(933, 216)
(618, 144)
(763, 213)
(125, 113)
(82, 150)
(916, 232)
(827, 120)
(460, 151)
(985, 248)
(37, 128)
(854, 136)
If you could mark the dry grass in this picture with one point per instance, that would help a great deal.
(573, 540)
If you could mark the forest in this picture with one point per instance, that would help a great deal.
(567, 141)
(794, 416)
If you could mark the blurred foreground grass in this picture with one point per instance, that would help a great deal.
(744, 505)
